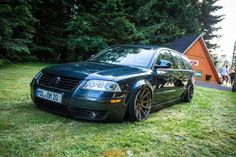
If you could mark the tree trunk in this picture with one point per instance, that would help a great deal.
(234, 85)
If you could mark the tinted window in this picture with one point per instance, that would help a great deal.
(165, 56)
(178, 60)
(187, 63)
(124, 55)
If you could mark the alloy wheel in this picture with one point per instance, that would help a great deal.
(142, 104)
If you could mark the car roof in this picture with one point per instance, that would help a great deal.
(140, 46)
(149, 47)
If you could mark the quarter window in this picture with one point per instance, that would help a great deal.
(187, 63)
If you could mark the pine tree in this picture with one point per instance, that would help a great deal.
(64, 30)
(161, 22)
(51, 36)
(209, 21)
(16, 29)
(96, 25)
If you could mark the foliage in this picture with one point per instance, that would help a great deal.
(163, 21)
(215, 59)
(98, 25)
(209, 21)
(1, 62)
(16, 29)
(68, 30)
(205, 127)
(51, 37)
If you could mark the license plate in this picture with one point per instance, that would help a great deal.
(56, 97)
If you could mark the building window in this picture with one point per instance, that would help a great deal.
(198, 74)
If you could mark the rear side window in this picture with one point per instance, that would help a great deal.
(178, 61)
(187, 63)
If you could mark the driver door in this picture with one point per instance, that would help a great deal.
(165, 76)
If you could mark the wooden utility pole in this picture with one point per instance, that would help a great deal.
(234, 64)
(234, 85)
(234, 55)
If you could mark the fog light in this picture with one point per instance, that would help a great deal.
(116, 101)
(92, 115)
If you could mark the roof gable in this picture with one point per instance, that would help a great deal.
(185, 41)
(183, 44)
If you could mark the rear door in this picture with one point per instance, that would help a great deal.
(181, 74)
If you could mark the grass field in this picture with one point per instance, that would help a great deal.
(205, 127)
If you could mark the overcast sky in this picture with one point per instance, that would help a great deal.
(228, 25)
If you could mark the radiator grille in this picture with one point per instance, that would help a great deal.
(59, 82)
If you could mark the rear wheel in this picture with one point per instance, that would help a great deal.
(140, 107)
(188, 95)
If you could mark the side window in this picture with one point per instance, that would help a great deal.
(187, 63)
(165, 57)
(178, 61)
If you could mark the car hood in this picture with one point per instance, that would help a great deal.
(91, 70)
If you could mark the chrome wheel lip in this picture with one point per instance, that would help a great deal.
(142, 104)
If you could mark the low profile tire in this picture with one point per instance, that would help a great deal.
(188, 95)
(140, 106)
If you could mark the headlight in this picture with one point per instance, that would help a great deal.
(37, 75)
(102, 85)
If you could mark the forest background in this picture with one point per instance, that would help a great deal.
(72, 30)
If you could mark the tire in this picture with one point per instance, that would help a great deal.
(188, 94)
(140, 106)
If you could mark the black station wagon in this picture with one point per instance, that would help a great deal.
(121, 81)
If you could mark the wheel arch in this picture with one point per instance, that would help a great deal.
(140, 84)
(136, 86)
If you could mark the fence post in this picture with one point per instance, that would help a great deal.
(234, 85)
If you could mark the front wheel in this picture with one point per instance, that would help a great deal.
(188, 95)
(140, 106)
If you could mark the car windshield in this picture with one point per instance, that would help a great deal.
(123, 55)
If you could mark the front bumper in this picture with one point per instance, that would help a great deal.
(84, 104)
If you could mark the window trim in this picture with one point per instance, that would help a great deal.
(152, 65)
(158, 53)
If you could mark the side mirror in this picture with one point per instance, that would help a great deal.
(163, 64)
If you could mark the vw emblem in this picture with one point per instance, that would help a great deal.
(55, 80)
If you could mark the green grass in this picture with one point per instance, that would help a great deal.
(205, 127)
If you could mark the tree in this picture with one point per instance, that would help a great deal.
(51, 37)
(160, 22)
(16, 29)
(65, 30)
(209, 21)
(96, 25)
